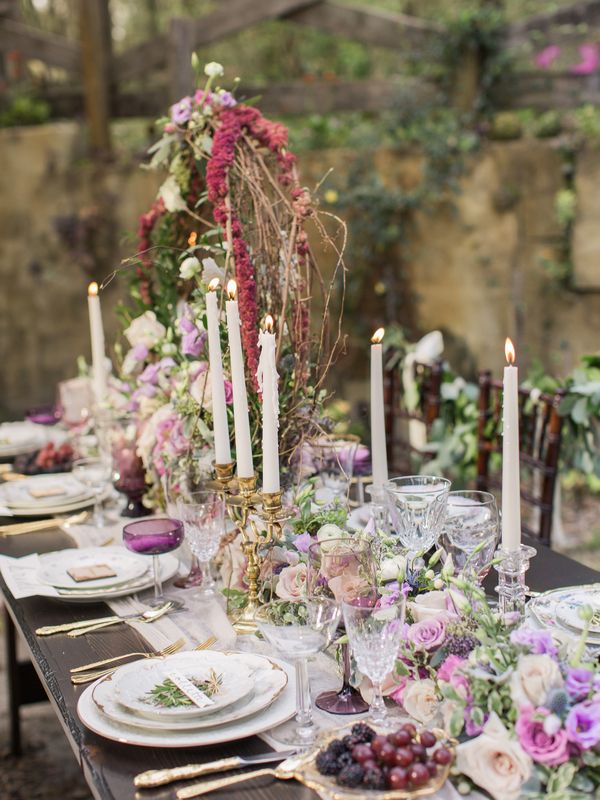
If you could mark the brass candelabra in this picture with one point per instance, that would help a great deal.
(258, 517)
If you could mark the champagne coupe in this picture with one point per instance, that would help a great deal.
(299, 631)
(417, 506)
(470, 532)
(153, 537)
(342, 569)
(203, 516)
(375, 635)
(95, 473)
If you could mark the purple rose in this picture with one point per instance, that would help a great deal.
(303, 541)
(536, 642)
(150, 374)
(578, 683)
(181, 111)
(583, 724)
(545, 748)
(428, 634)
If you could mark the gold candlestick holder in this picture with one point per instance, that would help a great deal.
(224, 479)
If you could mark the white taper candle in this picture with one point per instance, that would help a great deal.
(243, 442)
(219, 406)
(267, 381)
(378, 441)
(511, 482)
(97, 339)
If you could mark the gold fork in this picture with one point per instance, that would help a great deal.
(86, 674)
(206, 643)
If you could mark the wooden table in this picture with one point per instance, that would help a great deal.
(108, 766)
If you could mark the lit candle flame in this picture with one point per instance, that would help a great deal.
(192, 239)
(509, 351)
(269, 323)
(92, 289)
(231, 289)
(214, 285)
(378, 335)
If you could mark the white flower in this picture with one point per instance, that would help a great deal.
(292, 582)
(211, 270)
(213, 69)
(429, 605)
(189, 268)
(330, 531)
(171, 195)
(131, 364)
(533, 679)
(420, 700)
(145, 330)
(201, 390)
(391, 567)
(168, 349)
(494, 761)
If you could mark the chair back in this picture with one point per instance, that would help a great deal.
(540, 432)
(402, 455)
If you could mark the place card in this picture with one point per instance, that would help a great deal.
(91, 573)
(197, 697)
(47, 491)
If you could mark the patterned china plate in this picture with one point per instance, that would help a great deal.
(545, 609)
(132, 683)
(269, 682)
(17, 495)
(275, 713)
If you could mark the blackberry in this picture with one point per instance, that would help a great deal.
(345, 760)
(327, 763)
(351, 776)
(374, 778)
(362, 732)
(336, 747)
(350, 742)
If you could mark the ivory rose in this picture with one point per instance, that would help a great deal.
(429, 605)
(420, 700)
(494, 761)
(146, 330)
(348, 587)
(391, 568)
(534, 677)
(292, 582)
(233, 566)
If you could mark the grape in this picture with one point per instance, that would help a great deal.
(401, 738)
(398, 778)
(418, 775)
(377, 744)
(404, 756)
(410, 729)
(432, 767)
(427, 739)
(362, 753)
(442, 756)
(419, 751)
(387, 754)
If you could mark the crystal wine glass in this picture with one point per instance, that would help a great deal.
(203, 516)
(470, 531)
(375, 635)
(333, 460)
(417, 506)
(95, 473)
(174, 484)
(153, 537)
(342, 569)
(299, 631)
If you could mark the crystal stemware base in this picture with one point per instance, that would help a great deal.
(347, 700)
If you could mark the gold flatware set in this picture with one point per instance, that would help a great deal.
(19, 528)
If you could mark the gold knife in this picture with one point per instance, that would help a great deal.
(160, 777)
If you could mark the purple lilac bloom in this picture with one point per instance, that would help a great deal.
(583, 724)
(537, 642)
(302, 542)
(181, 111)
(545, 748)
(578, 683)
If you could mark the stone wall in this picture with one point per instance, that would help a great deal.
(474, 267)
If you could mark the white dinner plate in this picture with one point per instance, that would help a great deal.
(18, 438)
(547, 610)
(169, 565)
(269, 682)
(132, 683)
(274, 714)
(17, 494)
(54, 567)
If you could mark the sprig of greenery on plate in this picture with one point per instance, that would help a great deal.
(168, 695)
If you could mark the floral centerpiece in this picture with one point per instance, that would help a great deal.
(231, 206)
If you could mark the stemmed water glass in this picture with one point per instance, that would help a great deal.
(95, 473)
(203, 515)
(174, 484)
(417, 506)
(333, 460)
(375, 634)
(342, 569)
(299, 631)
(470, 532)
(153, 537)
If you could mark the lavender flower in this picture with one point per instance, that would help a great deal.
(578, 683)
(303, 541)
(181, 111)
(583, 725)
(535, 641)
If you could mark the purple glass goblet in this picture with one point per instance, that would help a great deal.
(153, 537)
(129, 478)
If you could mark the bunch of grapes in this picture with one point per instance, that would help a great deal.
(51, 459)
(404, 759)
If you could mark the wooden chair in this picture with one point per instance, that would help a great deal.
(402, 456)
(540, 431)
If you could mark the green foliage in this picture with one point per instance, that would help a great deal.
(25, 110)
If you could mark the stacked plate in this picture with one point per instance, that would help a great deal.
(41, 495)
(17, 438)
(126, 573)
(143, 703)
(559, 610)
